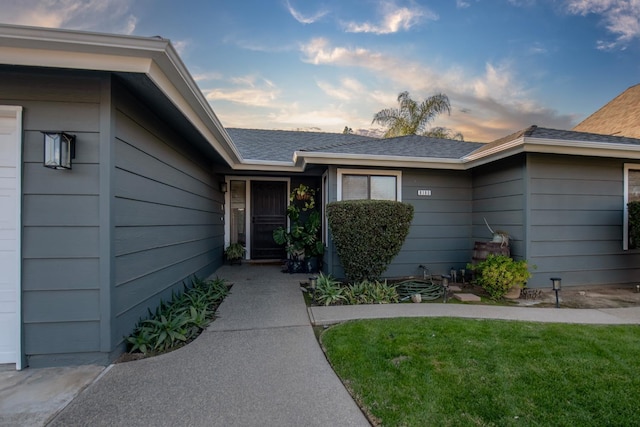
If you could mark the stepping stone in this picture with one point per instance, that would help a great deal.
(454, 288)
(467, 297)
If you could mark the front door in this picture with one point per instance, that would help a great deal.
(268, 212)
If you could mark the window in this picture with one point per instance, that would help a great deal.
(631, 194)
(358, 184)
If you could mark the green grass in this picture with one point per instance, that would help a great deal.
(462, 372)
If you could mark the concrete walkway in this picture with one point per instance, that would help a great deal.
(258, 364)
(604, 316)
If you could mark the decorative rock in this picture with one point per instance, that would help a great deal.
(467, 297)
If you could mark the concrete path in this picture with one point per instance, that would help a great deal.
(605, 316)
(258, 364)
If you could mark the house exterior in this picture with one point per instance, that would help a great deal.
(158, 189)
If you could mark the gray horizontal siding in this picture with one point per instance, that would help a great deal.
(576, 221)
(439, 236)
(75, 305)
(60, 220)
(499, 197)
(64, 338)
(71, 273)
(168, 214)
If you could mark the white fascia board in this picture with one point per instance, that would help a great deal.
(582, 148)
(201, 117)
(73, 60)
(498, 149)
(553, 146)
(305, 157)
(268, 166)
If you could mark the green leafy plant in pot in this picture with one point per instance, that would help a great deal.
(500, 274)
(234, 253)
(302, 240)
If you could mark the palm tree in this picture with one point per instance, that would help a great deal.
(443, 133)
(412, 118)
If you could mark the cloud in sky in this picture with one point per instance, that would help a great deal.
(394, 18)
(496, 102)
(302, 18)
(94, 15)
(248, 90)
(620, 17)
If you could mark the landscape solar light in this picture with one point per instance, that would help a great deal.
(556, 283)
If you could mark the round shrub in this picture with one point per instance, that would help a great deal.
(368, 234)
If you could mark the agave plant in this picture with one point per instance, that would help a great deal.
(328, 291)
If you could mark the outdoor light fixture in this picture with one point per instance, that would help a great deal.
(556, 282)
(445, 286)
(223, 187)
(445, 281)
(59, 149)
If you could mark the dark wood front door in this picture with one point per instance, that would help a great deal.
(268, 212)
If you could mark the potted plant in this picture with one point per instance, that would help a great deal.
(234, 253)
(501, 276)
(302, 240)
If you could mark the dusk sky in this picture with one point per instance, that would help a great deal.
(324, 65)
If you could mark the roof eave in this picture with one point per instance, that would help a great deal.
(154, 57)
(307, 157)
(268, 166)
(553, 146)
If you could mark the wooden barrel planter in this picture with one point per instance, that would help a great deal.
(483, 249)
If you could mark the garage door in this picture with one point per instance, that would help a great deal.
(10, 173)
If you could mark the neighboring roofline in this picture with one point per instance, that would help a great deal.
(153, 56)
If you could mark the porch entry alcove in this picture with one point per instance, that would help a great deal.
(269, 211)
(256, 207)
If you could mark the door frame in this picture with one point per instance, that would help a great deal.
(15, 112)
(248, 207)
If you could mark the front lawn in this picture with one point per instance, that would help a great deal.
(461, 372)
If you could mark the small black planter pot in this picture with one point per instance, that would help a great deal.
(296, 266)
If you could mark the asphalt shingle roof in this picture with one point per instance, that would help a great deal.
(621, 116)
(279, 145)
(276, 145)
(560, 135)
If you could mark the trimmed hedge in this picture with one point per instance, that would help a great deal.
(634, 224)
(368, 234)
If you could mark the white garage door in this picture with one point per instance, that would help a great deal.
(10, 174)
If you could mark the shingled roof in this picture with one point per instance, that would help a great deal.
(620, 117)
(277, 145)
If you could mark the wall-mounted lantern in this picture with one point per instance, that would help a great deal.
(556, 283)
(223, 187)
(59, 149)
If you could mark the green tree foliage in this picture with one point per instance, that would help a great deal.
(443, 133)
(412, 118)
(633, 209)
(368, 234)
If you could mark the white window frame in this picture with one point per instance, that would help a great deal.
(371, 172)
(625, 221)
